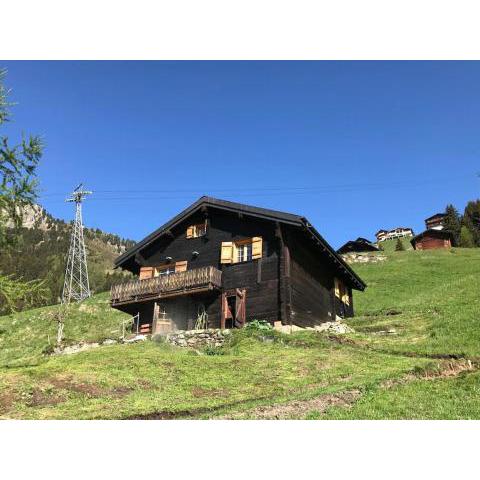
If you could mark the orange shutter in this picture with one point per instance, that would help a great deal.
(257, 247)
(346, 297)
(337, 287)
(226, 255)
(190, 231)
(146, 272)
(181, 266)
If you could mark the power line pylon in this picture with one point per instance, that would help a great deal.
(76, 287)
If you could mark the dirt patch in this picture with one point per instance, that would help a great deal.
(40, 398)
(88, 389)
(120, 392)
(299, 408)
(446, 369)
(199, 392)
(67, 383)
(7, 399)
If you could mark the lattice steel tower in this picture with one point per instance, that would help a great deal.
(76, 287)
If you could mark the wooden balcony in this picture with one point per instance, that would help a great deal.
(165, 286)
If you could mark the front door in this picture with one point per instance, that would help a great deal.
(233, 308)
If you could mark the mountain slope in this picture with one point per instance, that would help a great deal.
(42, 250)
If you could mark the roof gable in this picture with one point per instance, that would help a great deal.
(263, 213)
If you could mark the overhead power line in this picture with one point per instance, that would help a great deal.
(267, 191)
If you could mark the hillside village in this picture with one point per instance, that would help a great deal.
(404, 338)
(437, 234)
(231, 311)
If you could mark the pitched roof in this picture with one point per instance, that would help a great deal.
(433, 232)
(441, 215)
(358, 245)
(263, 213)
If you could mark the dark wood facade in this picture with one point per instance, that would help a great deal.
(432, 239)
(294, 279)
(435, 221)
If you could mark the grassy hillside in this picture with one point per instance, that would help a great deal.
(26, 336)
(415, 354)
(431, 299)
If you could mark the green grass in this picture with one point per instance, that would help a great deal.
(26, 335)
(124, 381)
(436, 296)
(429, 299)
(388, 246)
(440, 399)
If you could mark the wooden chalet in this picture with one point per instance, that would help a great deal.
(431, 239)
(359, 245)
(219, 264)
(435, 222)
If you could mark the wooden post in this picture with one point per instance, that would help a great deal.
(284, 279)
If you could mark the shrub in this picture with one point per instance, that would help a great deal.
(212, 350)
(259, 325)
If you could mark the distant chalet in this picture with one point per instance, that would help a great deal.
(435, 222)
(434, 236)
(220, 264)
(360, 245)
(398, 232)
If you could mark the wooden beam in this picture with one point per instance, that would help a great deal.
(284, 279)
(140, 259)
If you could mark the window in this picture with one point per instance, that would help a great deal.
(244, 252)
(199, 230)
(164, 270)
(241, 251)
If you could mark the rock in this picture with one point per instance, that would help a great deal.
(109, 341)
(197, 338)
(334, 327)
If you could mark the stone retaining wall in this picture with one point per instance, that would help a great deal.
(198, 338)
(353, 257)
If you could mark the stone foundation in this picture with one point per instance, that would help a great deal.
(198, 338)
(353, 257)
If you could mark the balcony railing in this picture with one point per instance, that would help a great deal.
(181, 283)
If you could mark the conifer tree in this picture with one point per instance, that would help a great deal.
(452, 223)
(471, 220)
(17, 190)
(399, 247)
(466, 238)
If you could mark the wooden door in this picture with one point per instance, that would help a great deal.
(240, 307)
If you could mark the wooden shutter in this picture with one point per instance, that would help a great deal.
(337, 288)
(181, 266)
(240, 307)
(257, 247)
(146, 272)
(226, 255)
(190, 231)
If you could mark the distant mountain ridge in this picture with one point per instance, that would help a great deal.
(43, 247)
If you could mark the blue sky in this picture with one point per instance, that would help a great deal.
(353, 146)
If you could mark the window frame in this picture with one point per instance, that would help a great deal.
(197, 230)
(164, 268)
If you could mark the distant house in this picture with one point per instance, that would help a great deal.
(434, 236)
(398, 232)
(221, 264)
(358, 246)
(431, 239)
(435, 222)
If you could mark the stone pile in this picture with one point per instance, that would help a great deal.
(334, 327)
(353, 257)
(198, 338)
